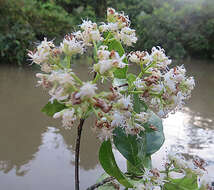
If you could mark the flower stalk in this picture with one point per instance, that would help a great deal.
(77, 150)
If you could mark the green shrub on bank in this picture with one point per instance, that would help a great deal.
(183, 28)
(27, 21)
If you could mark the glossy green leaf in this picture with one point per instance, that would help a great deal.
(186, 183)
(154, 139)
(131, 147)
(51, 108)
(109, 164)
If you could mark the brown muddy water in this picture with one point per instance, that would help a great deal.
(36, 153)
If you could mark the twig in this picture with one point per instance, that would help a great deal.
(77, 150)
(108, 179)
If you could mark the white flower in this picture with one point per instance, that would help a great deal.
(109, 27)
(127, 36)
(110, 11)
(158, 55)
(40, 56)
(104, 27)
(103, 66)
(118, 119)
(46, 45)
(65, 78)
(44, 80)
(58, 94)
(169, 82)
(134, 58)
(42, 53)
(117, 61)
(190, 82)
(102, 53)
(113, 26)
(142, 117)
(95, 35)
(62, 77)
(46, 68)
(78, 35)
(71, 46)
(108, 60)
(87, 90)
(196, 170)
(105, 134)
(147, 175)
(87, 24)
(125, 102)
(90, 33)
(68, 117)
(138, 56)
(157, 88)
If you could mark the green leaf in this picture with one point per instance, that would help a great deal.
(131, 78)
(131, 147)
(185, 183)
(154, 139)
(147, 162)
(51, 108)
(109, 164)
(116, 46)
(139, 105)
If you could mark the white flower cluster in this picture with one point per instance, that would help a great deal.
(42, 54)
(157, 58)
(71, 45)
(108, 61)
(164, 90)
(195, 166)
(90, 32)
(139, 57)
(118, 24)
(118, 113)
(175, 167)
(65, 88)
(152, 179)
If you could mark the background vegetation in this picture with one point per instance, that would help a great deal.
(182, 27)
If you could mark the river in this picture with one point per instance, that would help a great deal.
(36, 153)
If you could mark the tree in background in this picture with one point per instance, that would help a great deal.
(182, 27)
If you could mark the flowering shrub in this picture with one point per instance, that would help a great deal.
(128, 114)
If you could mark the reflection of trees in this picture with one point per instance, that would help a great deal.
(22, 122)
(199, 131)
(89, 144)
(202, 96)
(199, 128)
(20, 127)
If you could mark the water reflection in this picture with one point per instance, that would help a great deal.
(35, 147)
(184, 133)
